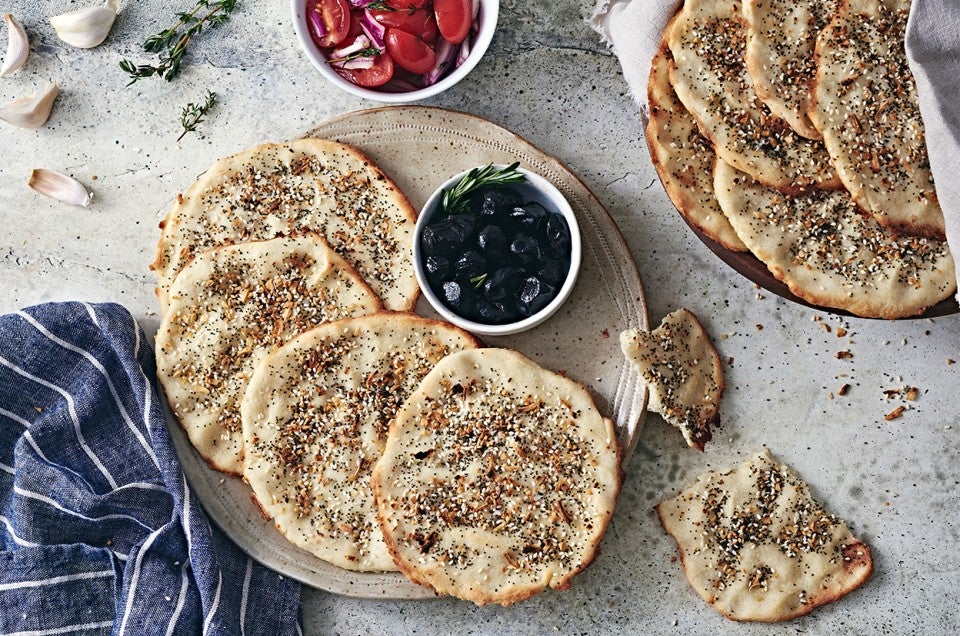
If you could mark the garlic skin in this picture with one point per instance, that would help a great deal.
(60, 187)
(18, 46)
(86, 28)
(31, 112)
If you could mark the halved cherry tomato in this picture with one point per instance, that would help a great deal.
(454, 18)
(409, 51)
(377, 75)
(419, 22)
(407, 4)
(329, 21)
(355, 28)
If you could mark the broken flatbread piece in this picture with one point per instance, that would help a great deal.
(757, 547)
(683, 372)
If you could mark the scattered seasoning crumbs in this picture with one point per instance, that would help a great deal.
(826, 327)
(911, 393)
(841, 332)
(844, 355)
(895, 413)
(759, 327)
(844, 390)
(950, 361)
(605, 333)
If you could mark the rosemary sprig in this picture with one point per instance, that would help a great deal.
(454, 200)
(193, 114)
(171, 44)
(478, 281)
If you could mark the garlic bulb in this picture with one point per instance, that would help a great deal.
(18, 46)
(60, 187)
(85, 28)
(31, 112)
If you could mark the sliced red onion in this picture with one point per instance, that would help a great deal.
(315, 22)
(357, 62)
(361, 4)
(445, 55)
(401, 86)
(356, 46)
(464, 52)
(476, 9)
(374, 30)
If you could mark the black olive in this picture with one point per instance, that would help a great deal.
(444, 238)
(526, 249)
(438, 265)
(495, 201)
(529, 214)
(554, 271)
(466, 223)
(558, 235)
(503, 283)
(491, 240)
(534, 295)
(470, 265)
(458, 296)
(491, 312)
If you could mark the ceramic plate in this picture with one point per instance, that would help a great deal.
(420, 148)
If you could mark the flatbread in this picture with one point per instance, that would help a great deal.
(830, 254)
(709, 74)
(865, 103)
(683, 372)
(229, 308)
(498, 479)
(305, 185)
(757, 547)
(781, 40)
(683, 157)
(315, 420)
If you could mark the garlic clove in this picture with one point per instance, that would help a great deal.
(31, 112)
(60, 187)
(85, 28)
(18, 46)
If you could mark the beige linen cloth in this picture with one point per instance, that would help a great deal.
(632, 28)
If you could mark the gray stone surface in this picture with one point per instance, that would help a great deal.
(549, 79)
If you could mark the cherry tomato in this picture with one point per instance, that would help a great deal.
(408, 4)
(454, 18)
(409, 51)
(329, 21)
(419, 22)
(377, 75)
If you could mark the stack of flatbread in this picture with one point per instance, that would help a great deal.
(373, 438)
(791, 130)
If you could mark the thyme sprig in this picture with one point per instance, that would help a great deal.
(171, 44)
(193, 114)
(370, 51)
(454, 200)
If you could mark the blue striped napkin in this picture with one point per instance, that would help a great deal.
(99, 532)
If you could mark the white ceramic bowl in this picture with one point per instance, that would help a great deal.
(536, 189)
(489, 10)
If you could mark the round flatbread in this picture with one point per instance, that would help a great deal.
(832, 255)
(229, 308)
(709, 74)
(683, 157)
(305, 185)
(498, 479)
(315, 421)
(865, 103)
(781, 40)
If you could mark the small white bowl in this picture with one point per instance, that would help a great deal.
(489, 10)
(537, 189)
